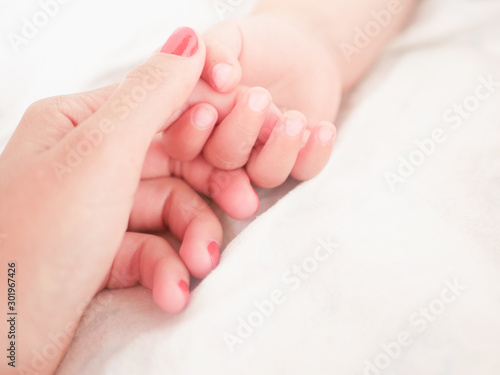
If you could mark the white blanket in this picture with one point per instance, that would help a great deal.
(387, 263)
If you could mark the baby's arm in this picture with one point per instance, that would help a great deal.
(356, 31)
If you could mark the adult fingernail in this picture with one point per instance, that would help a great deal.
(204, 118)
(293, 126)
(213, 250)
(221, 73)
(259, 100)
(183, 42)
(326, 133)
(183, 286)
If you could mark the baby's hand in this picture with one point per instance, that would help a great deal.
(300, 73)
(251, 132)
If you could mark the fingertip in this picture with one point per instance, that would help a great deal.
(198, 260)
(185, 138)
(245, 204)
(326, 133)
(170, 290)
(183, 42)
(294, 123)
(200, 246)
(222, 67)
(223, 76)
(204, 116)
(315, 154)
(237, 197)
(258, 99)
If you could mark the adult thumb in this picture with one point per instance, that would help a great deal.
(142, 104)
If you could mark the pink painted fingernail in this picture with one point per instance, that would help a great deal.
(183, 42)
(293, 126)
(213, 250)
(184, 287)
(258, 100)
(326, 133)
(221, 73)
(204, 118)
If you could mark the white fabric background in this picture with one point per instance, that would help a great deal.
(396, 249)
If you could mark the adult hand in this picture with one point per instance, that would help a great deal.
(71, 188)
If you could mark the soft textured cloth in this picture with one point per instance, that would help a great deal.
(387, 263)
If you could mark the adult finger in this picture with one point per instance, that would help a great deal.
(151, 261)
(169, 203)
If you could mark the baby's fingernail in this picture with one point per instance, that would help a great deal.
(221, 73)
(204, 118)
(213, 250)
(293, 126)
(326, 133)
(258, 100)
(183, 286)
(183, 42)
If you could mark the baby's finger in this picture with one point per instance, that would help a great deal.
(152, 262)
(231, 190)
(222, 69)
(314, 155)
(271, 165)
(170, 203)
(185, 138)
(232, 141)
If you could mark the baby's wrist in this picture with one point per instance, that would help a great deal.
(311, 27)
